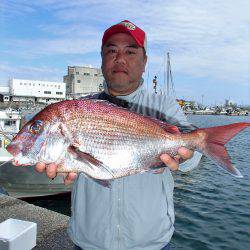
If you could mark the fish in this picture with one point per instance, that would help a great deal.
(106, 142)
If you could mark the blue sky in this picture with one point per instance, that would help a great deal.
(208, 41)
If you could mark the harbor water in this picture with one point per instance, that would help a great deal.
(212, 207)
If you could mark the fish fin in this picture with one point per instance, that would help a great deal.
(156, 170)
(216, 138)
(89, 159)
(167, 127)
(64, 131)
(155, 167)
(104, 183)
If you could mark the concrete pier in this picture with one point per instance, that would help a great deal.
(51, 226)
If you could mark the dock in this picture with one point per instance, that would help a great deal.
(51, 226)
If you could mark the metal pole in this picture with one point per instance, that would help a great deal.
(168, 75)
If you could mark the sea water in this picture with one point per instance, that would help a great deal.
(212, 207)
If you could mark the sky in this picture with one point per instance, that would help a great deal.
(208, 42)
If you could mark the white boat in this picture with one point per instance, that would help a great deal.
(206, 111)
(22, 182)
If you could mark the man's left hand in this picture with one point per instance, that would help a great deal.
(173, 162)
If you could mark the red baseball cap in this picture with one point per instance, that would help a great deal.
(126, 27)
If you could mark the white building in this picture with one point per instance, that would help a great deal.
(4, 94)
(37, 91)
(83, 80)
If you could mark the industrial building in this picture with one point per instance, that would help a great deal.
(82, 81)
(36, 91)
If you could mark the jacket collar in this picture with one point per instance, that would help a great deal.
(128, 97)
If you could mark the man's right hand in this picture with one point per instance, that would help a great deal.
(50, 170)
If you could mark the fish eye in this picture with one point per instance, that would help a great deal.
(36, 127)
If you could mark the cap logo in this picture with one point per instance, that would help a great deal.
(128, 25)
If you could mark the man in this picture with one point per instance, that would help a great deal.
(137, 211)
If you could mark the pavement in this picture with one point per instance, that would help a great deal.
(51, 226)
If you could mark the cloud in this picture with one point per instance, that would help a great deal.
(205, 39)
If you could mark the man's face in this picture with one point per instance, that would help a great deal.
(123, 63)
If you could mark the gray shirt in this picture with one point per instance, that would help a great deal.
(137, 212)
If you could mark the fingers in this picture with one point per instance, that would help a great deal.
(185, 153)
(40, 167)
(51, 170)
(172, 163)
(70, 177)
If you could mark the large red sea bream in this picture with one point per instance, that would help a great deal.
(106, 141)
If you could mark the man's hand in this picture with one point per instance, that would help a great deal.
(51, 172)
(173, 162)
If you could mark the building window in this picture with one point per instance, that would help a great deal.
(9, 122)
(77, 73)
(59, 93)
(47, 92)
(21, 83)
(78, 81)
(96, 75)
(86, 74)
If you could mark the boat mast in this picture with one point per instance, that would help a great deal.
(170, 84)
(168, 74)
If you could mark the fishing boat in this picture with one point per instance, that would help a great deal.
(22, 182)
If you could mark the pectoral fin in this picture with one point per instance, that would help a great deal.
(104, 183)
(89, 160)
(156, 167)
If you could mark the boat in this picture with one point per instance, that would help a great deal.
(22, 182)
(206, 111)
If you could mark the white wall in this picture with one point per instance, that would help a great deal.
(34, 88)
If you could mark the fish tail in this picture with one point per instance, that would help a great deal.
(215, 139)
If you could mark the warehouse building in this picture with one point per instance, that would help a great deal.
(36, 91)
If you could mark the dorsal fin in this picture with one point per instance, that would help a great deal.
(167, 127)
